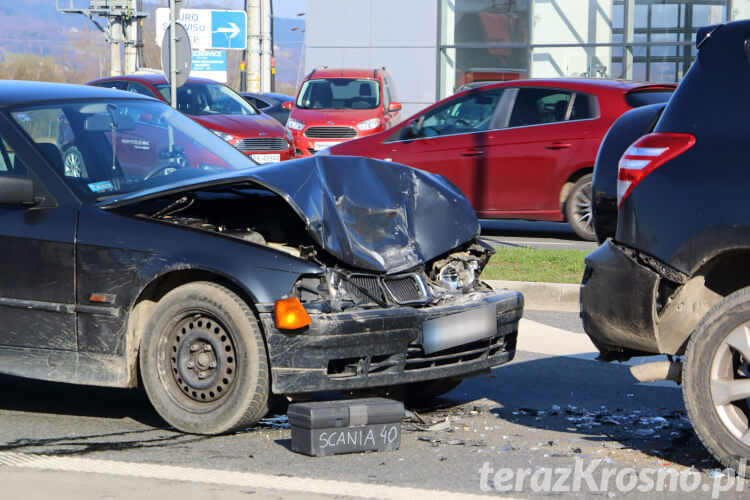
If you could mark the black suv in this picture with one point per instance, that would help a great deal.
(675, 279)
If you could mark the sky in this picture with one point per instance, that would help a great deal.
(288, 8)
(281, 8)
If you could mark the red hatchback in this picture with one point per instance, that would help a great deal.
(335, 105)
(518, 149)
(219, 109)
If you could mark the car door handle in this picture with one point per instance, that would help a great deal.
(473, 152)
(559, 145)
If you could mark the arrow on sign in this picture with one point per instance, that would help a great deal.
(233, 29)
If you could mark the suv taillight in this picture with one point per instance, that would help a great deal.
(645, 155)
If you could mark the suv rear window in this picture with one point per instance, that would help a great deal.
(644, 98)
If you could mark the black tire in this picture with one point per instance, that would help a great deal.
(709, 361)
(203, 361)
(578, 209)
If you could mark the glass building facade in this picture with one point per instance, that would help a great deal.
(647, 40)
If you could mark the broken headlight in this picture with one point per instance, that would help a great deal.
(460, 270)
(458, 274)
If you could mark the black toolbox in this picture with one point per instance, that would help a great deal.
(324, 428)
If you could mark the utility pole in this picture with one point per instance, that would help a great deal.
(266, 46)
(131, 41)
(115, 38)
(245, 53)
(254, 46)
(120, 28)
(260, 46)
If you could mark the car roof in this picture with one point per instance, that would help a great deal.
(280, 97)
(152, 78)
(18, 91)
(581, 84)
(344, 73)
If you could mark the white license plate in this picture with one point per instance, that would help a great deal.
(458, 329)
(266, 158)
(317, 146)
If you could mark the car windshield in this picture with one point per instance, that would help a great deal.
(109, 147)
(339, 93)
(195, 98)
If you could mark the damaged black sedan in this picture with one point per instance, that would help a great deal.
(139, 248)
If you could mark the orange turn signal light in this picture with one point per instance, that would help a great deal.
(290, 315)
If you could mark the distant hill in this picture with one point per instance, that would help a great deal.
(35, 26)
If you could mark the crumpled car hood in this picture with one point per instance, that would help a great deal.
(370, 214)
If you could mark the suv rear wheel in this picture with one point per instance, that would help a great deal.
(716, 379)
(203, 360)
(578, 210)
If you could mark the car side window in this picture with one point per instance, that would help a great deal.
(391, 88)
(536, 106)
(584, 107)
(10, 163)
(386, 95)
(259, 103)
(50, 130)
(137, 88)
(112, 84)
(470, 113)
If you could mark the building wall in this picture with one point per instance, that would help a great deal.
(740, 10)
(415, 41)
(571, 22)
(398, 34)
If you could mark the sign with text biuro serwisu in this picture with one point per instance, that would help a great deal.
(208, 29)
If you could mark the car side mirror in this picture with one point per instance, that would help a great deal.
(394, 107)
(286, 105)
(17, 191)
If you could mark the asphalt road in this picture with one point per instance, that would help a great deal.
(551, 409)
(535, 234)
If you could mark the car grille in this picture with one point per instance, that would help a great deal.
(262, 144)
(367, 282)
(330, 132)
(416, 359)
(406, 289)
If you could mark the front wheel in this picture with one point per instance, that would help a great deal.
(716, 379)
(578, 209)
(203, 361)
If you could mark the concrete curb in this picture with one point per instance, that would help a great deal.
(543, 294)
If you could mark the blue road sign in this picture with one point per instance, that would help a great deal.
(228, 29)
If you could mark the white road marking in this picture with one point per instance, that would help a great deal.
(229, 478)
(544, 339)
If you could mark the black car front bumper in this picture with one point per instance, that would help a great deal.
(618, 298)
(382, 347)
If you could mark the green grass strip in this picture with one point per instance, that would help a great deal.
(536, 264)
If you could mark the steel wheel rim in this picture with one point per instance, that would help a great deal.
(582, 209)
(198, 358)
(730, 382)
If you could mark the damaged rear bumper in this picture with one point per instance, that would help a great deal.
(618, 297)
(383, 347)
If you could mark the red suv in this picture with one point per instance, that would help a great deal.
(335, 105)
(219, 109)
(521, 149)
